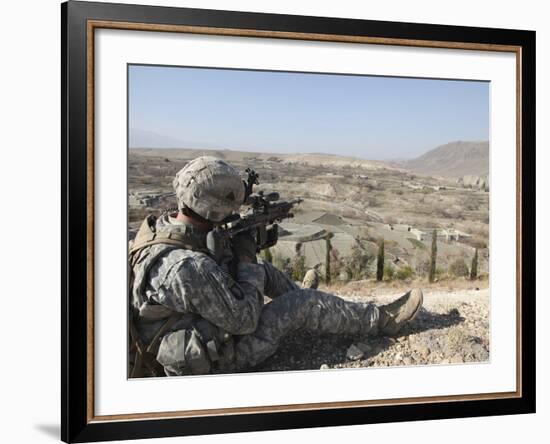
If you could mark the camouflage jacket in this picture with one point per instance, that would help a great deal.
(169, 279)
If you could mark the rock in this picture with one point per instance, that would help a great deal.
(457, 359)
(423, 350)
(478, 353)
(398, 357)
(454, 312)
(324, 367)
(407, 360)
(354, 353)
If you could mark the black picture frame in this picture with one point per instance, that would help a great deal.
(77, 425)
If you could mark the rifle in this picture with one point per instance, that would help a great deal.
(261, 217)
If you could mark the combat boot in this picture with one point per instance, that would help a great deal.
(397, 313)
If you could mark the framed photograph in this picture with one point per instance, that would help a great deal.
(275, 221)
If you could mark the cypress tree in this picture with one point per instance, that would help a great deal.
(380, 261)
(327, 259)
(431, 276)
(473, 268)
(299, 268)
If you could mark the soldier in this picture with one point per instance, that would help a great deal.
(190, 315)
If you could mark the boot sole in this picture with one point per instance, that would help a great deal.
(393, 331)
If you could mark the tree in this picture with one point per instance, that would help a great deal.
(299, 268)
(404, 273)
(266, 255)
(459, 268)
(473, 268)
(279, 261)
(336, 264)
(356, 265)
(389, 271)
(431, 276)
(380, 261)
(327, 259)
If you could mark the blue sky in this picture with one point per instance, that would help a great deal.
(362, 116)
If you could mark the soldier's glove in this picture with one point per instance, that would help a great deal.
(245, 247)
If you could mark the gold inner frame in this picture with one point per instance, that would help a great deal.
(95, 24)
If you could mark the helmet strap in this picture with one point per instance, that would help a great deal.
(194, 219)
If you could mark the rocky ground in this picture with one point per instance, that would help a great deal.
(451, 328)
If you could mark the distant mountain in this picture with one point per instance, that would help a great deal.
(139, 138)
(149, 139)
(455, 159)
(250, 156)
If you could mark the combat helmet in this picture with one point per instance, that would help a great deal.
(210, 187)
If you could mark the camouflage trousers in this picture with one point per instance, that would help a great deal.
(292, 309)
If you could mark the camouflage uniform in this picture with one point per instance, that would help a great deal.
(224, 324)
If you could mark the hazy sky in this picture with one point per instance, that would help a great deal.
(363, 116)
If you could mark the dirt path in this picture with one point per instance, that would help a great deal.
(451, 328)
